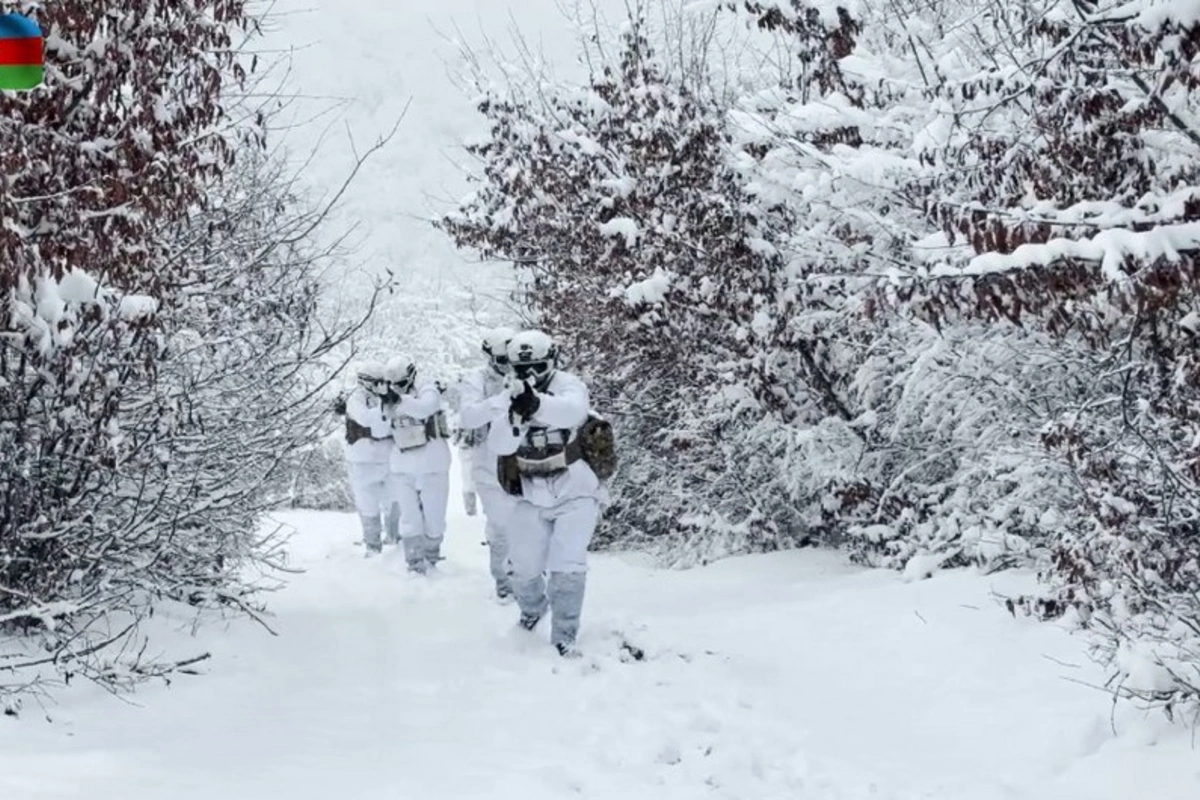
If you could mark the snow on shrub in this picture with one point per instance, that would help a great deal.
(161, 353)
(643, 253)
(1078, 210)
(927, 289)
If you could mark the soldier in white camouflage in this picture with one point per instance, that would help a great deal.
(419, 479)
(558, 493)
(482, 396)
(368, 449)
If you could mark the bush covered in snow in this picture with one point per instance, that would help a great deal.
(646, 255)
(925, 287)
(163, 354)
(1077, 217)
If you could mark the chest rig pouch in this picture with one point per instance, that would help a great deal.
(546, 452)
(409, 433)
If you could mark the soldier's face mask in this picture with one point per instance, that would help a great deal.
(536, 371)
(500, 364)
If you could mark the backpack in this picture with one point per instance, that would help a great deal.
(598, 445)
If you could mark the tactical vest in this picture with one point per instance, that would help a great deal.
(554, 451)
(594, 444)
(546, 452)
(543, 453)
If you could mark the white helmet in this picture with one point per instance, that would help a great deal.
(371, 376)
(495, 347)
(400, 373)
(533, 355)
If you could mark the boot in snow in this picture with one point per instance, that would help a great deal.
(531, 598)
(565, 592)
(372, 526)
(414, 554)
(568, 650)
(433, 551)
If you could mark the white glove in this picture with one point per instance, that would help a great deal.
(514, 386)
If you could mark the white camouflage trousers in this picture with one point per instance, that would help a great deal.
(555, 541)
(369, 485)
(498, 507)
(422, 499)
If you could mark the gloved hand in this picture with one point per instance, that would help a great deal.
(469, 503)
(526, 404)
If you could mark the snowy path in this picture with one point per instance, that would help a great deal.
(785, 676)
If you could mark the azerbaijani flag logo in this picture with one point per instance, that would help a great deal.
(21, 64)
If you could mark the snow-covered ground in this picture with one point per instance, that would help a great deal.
(782, 676)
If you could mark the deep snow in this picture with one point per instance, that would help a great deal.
(781, 676)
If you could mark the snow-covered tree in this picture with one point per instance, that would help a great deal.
(925, 285)
(1066, 195)
(644, 253)
(162, 352)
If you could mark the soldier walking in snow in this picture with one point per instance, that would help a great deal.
(482, 397)
(368, 450)
(543, 463)
(420, 462)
